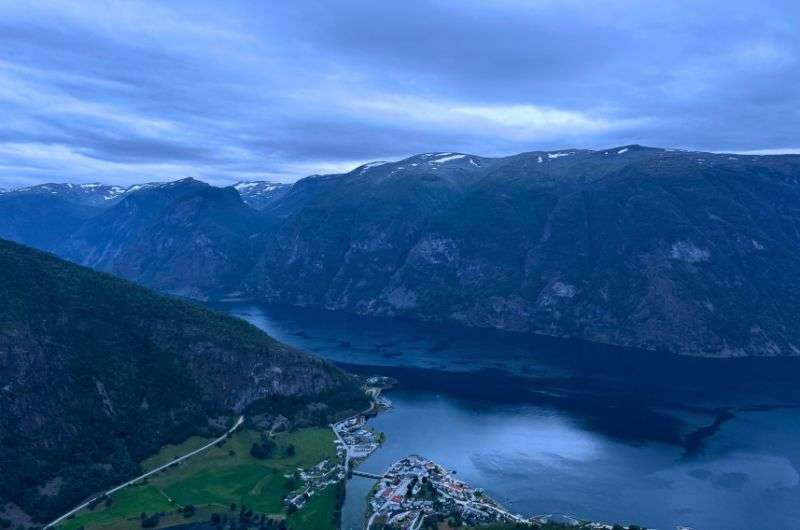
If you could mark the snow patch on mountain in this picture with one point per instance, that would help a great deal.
(447, 159)
(370, 165)
(685, 251)
(259, 186)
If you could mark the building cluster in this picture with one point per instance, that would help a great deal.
(415, 488)
(383, 402)
(312, 481)
(380, 381)
(353, 440)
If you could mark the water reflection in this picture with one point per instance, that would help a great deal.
(557, 426)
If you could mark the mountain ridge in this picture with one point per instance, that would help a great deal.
(684, 251)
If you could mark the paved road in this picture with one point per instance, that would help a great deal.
(141, 477)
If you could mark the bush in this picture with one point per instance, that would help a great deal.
(150, 522)
(262, 450)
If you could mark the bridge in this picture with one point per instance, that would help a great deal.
(367, 475)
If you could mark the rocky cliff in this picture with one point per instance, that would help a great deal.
(694, 253)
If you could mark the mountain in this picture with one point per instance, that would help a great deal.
(689, 252)
(183, 237)
(94, 194)
(98, 373)
(39, 221)
(259, 194)
(694, 253)
(44, 216)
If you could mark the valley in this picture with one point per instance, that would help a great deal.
(228, 481)
(99, 374)
(657, 249)
(567, 428)
(417, 265)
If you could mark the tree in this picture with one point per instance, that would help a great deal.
(262, 450)
(290, 450)
(151, 521)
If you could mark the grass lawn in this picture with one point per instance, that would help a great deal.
(129, 502)
(317, 514)
(171, 452)
(219, 477)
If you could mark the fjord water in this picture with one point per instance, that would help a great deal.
(555, 426)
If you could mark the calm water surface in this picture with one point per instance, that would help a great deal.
(551, 426)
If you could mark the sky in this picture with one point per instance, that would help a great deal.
(126, 92)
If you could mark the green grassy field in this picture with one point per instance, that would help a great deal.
(170, 452)
(317, 514)
(219, 477)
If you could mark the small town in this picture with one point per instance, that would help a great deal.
(354, 442)
(415, 488)
(413, 491)
(312, 481)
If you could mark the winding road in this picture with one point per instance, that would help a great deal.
(144, 476)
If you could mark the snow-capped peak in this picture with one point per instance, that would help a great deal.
(448, 158)
(369, 165)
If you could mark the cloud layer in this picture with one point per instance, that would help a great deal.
(124, 92)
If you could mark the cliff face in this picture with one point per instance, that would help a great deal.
(688, 252)
(694, 253)
(97, 373)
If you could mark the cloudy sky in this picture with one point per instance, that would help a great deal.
(124, 92)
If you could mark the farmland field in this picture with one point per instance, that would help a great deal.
(216, 479)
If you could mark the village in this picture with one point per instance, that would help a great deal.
(415, 488)
(354, 442)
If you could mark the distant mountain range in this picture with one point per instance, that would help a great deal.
(262, 193)
(257, 194)
(689, 252)
(97, 373)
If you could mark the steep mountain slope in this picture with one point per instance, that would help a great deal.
(97, 373)
(45, 216)
(98, 242)
(185, 238)
(689, 252)
(41, 221)
(340, 236)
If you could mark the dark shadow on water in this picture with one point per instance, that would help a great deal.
(620, 416)
(632, 395)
